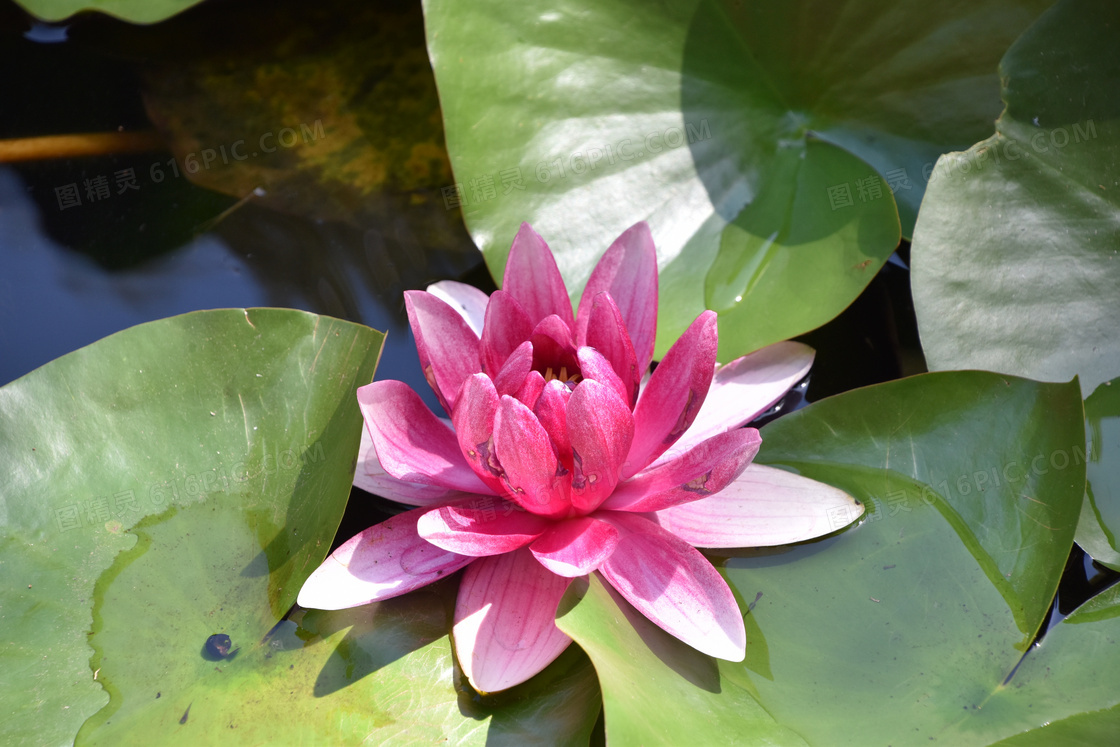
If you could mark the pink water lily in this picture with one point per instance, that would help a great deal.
(559, 461)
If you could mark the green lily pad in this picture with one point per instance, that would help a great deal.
(1016, 254)
(586, 118)
(328, 678)
(1075, 668)
(659, 690)
(928, 605)
(135, 11)
(910, 625)
(1100, 518)
(220, 442)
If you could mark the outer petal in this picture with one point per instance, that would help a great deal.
(748, 386)
(386, 560)
(606, 332)
(669, 403)
(575, 547)
(533, 477)
(467, 300)
(531, 390)
(505, 620)
(448, 347)
(480, 528)
(765, 506)
(600, 427)
(628, 271)
(673, 585)
(507, 326)
(371, 476)
(697, 474)
(533, 278)
(411, 442)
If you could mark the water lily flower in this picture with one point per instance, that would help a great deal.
(560, 461)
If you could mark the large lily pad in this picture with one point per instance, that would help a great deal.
(910, 625)
(384, 671)
(221, 442)
(794, 124)
(675, 694)
(1016, 255)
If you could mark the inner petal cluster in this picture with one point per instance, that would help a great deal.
(552, 441)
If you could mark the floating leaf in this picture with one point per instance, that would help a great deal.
(222, 442)
(792, 123)
(657, 689)
(384, 670)
(1016, 255)
(928, 606)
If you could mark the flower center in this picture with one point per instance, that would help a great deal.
(571, 379)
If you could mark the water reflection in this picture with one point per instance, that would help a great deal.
(54, 300)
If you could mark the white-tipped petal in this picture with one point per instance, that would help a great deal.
(384, 561)
(672, 584)
(764, 506)
(370, 476)
(505, 620)
(747, 387)
(469, 301)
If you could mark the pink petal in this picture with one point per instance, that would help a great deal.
(370, 476)
(448, 347)
(697, 474)
(532, 475)
(600, 428)
(594, 366)
(482, 527)
(575, 547)
(551, 411)
(533, 278)
(673, 585)
(517, 366)
(531, 390)
(748, 386)
(411, 442)
(469, 302)
(628, 271)
(505, 620)
(606, 332)
(507, 326)
(386, 560)
(676, 390)
(474, 420)
(765, 506)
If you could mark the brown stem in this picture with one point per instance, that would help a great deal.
(80, 145)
